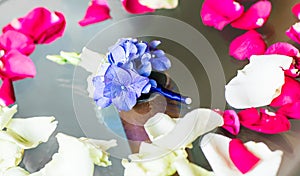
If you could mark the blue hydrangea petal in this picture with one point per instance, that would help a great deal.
(118, 55)
(130, 50)
(112, 90)
(145, 58)
(125, 101)
(142, 47)
(159, 53)
(145, 69)
(117, 75)
(138, 83)
(103, 102)
(153, 44)
(160, 64)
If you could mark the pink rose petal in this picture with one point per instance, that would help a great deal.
(283, 48)
(17, 66)
(294, 32)
(40, 24)
(97, 11)
(246, 45)
(296, 10)
(291, 110)
(134, 7)
(290, 93)
(255, 17)
(219, 13)
(241, 157)
(7, 95)
(264, 121)
(16, 40)
(231, 121)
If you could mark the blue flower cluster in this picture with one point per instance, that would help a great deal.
(124, 77)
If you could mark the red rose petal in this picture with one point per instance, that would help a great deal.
(283, 48)
(40, 24)
(291, 110)
(241, 157)
(97, 11)
(134, 7)
(17, 66)
(290, 93)
(231, 121)
(296, 10)
(246, 45)
(7, 95)
(219, 13)
(264, 121)
(294, 32)
(255, 17)
(18, 41)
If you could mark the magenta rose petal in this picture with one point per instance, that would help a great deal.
(296, 10)
(294, 32)
(290, 110)
(283, 48)
(246, 45)
(241, 157)
(134, 7)
(42, 25)
(219, 13)
(17, 66)
(264, 121)
(16, 40)
(290, 92)
(231, 121)
(255, 17)
(7, 95)
(97, 11)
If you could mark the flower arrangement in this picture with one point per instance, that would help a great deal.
(124, 74)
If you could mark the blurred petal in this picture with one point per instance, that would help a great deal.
(97, 11)
(16, 171)
(283, 48)
(6, 114)
(296, 10)
(42, 25)
(231, 121)
(216, 150)
(219, 13)
(294, 32)
(242, 158)
(18, 41)
(246, 45)
(134, 7)
(17, 66)
(10, 155)
(290, 92)
(186, 130)
(258, 83)
(290, 110)
(160, 63)
(255, 17)
(75, 157)
(160, 4)
(7, 94)
(65, 58)
(29, 133)
(264, 121)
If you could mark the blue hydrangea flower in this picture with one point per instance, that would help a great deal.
(125, 51)
(120, 86)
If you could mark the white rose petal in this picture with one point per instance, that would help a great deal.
(6, 114)
(75, 157)
(16, 171)
(258, 83)
(29, 132)
(216, 150)
(10, 155)
(186, 130)
(160, 4)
